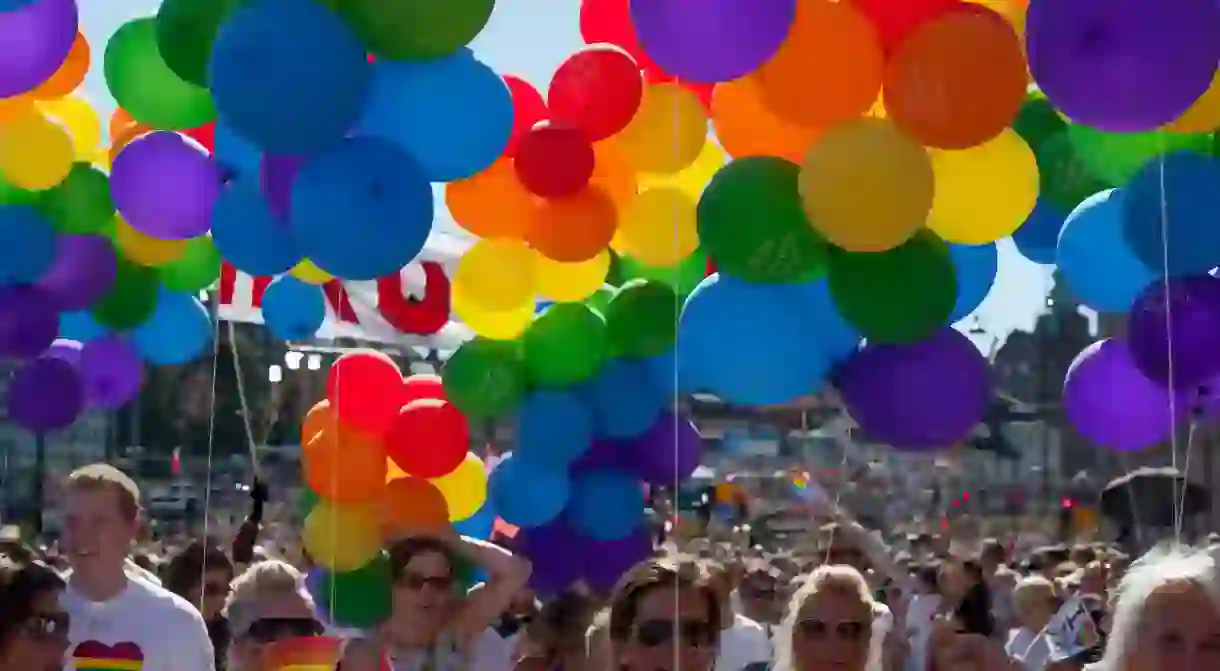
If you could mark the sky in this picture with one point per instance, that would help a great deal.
(529, 39)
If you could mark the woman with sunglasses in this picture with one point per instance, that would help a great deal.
(268, 603)
(664, 616)
(33, 624)
(829, 624)
(201, 574)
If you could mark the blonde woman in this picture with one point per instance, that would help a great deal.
(829, 624)
(268, 603)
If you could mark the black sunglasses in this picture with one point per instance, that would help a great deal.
(416, 582)
(852, 630)
(45, 626)
(272, 629)
(698, 633)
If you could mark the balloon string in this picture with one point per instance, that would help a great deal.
(214, 313)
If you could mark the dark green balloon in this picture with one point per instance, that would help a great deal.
(141, 83)
(752, 224)
(1037, 120)
(1065, 178)
(185, 32)
(600, 300)
(15, 195)
(131, 300)
(359, 598)
(898, 296)
(307, 501)
(1116, 157)
(415, 30)
(197, 269)
(683, 277)
(564, 345)
(484, 378)
(642, 319)
(81, 204)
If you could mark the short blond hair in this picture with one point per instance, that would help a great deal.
(107, 477)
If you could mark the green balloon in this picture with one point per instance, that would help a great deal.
(15, 195)
(642, 319)
(141, 82)
(564, 345)
(1037, 120)
(752, 224)
(81, 204)
(682, 277)
(600, 300)
(484, 378)
(307, 501)
(185, 32)
(415, 30)
(898, 296)
(359, 598)
(1065, 178)
(1116, 157)
(197, 269)
(132, 298)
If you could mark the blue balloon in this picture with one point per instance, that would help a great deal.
(976, 267)
(625, 399)
(479, 525)
(292, 309)
(1038, 238)
(454, 115)
(606, 505)
(1169, 214)
(835, 337)
(289, 76)
(665, 375)
(179, 330)
(526, 493)
(554, 428)
(361, 210)
(27, 244)
(1094, 259)
(80, 326)
(248, 234)
(750, 344)
(236, 155)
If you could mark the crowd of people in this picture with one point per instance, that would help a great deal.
(856, 604)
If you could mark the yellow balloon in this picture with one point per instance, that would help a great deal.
(497, 274)
(504, 325)
(694, 177)
(660, 229)
(569, 282)
(342, 538)
(866, 186)
(392, 471)
(668, 130)
(464, 489)
(79, 118)
(309, 273)
(145, 250)
(983, 193)
(35, 154)
(1204, 115)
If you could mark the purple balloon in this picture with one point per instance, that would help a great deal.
(278, 174)
(1113, 404)
(83, 271)
(45, 394)
(552, 549)
(709, 41)
(1177, 330)
(111, 371)
(1123, 65)
(65, 350)
(669, 450)
(603, 454)
(36, 41)
(923, 395)
(606, 561)
(165, 186)
(28, 321)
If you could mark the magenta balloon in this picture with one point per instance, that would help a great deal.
(709, 41)
(34, 42)
(1113, 404)
(45, 394)
(1123, 65)
(82, 274)
(1173, 330)
(165, 186)
(28, 321)
(924, 395)
(669, 450)
(112, 372)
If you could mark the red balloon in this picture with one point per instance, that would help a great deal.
(609, 22)
(597, 89)
(366, 390)
(710, 268)
(895, 20)
(554, 161)
(528, 109)
(204, 135)
(429, 438)
(423, 385)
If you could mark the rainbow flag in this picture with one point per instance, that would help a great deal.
(95, 656)
(314, 653)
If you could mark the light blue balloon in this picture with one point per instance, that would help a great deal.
(1169, 214)
(27, 244)
(833, 335)
(454, 115)
(248, 234)
(527, 494)
(80, 326)
(624, 398)
(976, 267)
(554, 428)
(237, 156)
(480, 524)
(179, 331)
(1094, 259)
(292, 309)
(361, 210)
(1037, 239)
(606, 505)
(289, 76)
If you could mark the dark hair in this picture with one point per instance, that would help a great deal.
(561, 625)
(185, 570)
(403, 551)
(993, 551)
(928, 575)
(654, 574)
(22, 582)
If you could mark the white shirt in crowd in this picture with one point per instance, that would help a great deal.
(743, 644)
(487, 652)
(921, 618)
(144, 628)
(1031, 649)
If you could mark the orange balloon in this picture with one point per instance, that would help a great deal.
(491, 204)
(828, 70)
(10, 107)
(346, 465)
(745, 127)
(319, 418)
(958, 80)
(414, 507)
(70, 73)
(573, 229)
(120, 121)
(613, 173)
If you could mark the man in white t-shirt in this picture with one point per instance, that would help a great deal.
(118, 622)
(744, 643)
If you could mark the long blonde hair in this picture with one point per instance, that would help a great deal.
(839, 579)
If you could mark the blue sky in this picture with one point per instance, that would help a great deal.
(530, 38)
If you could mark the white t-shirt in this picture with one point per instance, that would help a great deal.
(144, 628)
(743, 644)
(487, 652)
(921, 619)
(1026, 647)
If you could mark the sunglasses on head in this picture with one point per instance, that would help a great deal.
(44, 626)
(851, 630)
(416, 582)
(271, 629)
(652, 633)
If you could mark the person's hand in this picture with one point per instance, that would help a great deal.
(260, 492)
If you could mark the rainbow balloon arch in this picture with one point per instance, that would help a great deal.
(752, 198)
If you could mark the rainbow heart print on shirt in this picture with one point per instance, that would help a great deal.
(314, 653)
(95, 656)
